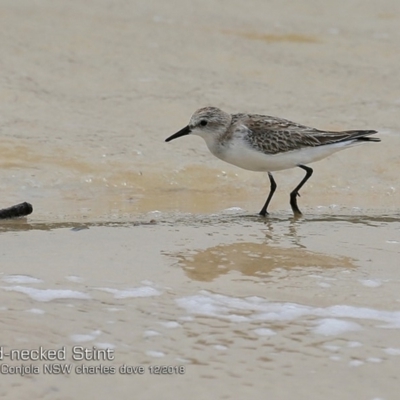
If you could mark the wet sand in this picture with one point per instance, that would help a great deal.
(154, 251)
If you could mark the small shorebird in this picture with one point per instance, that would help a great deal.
(263, 143)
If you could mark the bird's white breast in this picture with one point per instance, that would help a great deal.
(240, 153)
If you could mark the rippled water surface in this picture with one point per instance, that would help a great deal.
(230, 297)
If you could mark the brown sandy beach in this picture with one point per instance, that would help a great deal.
(154, 250)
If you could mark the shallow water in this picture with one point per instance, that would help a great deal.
(229, 297)
(154, 251)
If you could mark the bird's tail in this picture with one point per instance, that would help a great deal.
(361, 136)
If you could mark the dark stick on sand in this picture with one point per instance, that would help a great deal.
(19, 210)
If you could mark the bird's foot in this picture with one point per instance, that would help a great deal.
(293, 204)
(297, 213)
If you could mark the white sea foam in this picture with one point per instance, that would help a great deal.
(374, 359)
(392, 351)
(144, 291)
(220, 347)
(371, 283)
(354, 344)
(258, 309)
(171, 324)
(233, 210)
(334, 326)
(355, 363)
(47, 294)
(20, 279)
(85, 337)
(154, 213)
(264, 332)
(36, 311)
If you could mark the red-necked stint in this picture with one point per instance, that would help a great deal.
(264, 143)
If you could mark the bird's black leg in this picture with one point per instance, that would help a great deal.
(295, 192)
(264, 212)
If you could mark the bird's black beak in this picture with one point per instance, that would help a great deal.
(185, 131)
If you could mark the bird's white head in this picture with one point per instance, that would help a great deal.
(209, 122)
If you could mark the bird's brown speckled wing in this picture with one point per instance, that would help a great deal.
(273, 135)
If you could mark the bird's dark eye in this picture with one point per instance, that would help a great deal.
(203, 122)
